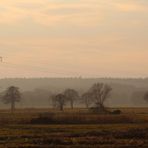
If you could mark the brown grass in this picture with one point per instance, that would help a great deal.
(79, 129)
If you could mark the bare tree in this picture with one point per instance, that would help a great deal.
(71, 96)
(86, 98)
(59, 101)
(99, 93)
(11, 96)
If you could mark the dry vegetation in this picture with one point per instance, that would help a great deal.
(77, 128)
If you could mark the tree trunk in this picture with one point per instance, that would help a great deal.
(12, 107)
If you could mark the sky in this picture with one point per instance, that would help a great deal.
(72, 38)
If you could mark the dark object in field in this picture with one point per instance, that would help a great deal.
(81, 118)
(117, 112)
(99, 110)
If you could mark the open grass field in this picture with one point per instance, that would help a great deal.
(39, 128)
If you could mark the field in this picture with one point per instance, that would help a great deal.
(39, 128)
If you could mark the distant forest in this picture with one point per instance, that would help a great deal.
(37, 92)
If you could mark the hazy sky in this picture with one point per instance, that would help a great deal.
(59, 38)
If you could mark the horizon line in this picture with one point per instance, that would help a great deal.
(74, 77)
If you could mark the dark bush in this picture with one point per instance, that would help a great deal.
(69, 118)
(117, 112)
(97, 110)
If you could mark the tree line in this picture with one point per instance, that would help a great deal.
(95, 96)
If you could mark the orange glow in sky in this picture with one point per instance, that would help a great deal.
(60, 38)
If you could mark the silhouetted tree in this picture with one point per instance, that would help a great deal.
(71, 96)
(59, 101)
(11, 96)
(86, 98)
(99, 93)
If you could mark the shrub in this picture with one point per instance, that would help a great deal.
(117, 112)
(98, 110)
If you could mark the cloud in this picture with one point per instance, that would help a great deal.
(89, 37)
(49, 12)
(62, 12)
(131, 7)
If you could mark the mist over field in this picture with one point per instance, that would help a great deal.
(49, 41)
(37, 92)
(74, 73)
